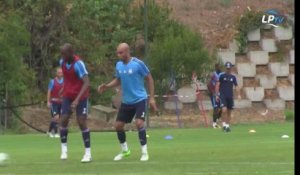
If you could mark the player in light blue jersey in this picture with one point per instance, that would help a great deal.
(130, 74)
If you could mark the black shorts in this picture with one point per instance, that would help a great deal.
(128, 111)
(55, 109)
(226, 102)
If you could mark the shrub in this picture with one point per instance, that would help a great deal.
(251, 20)
(289, 115)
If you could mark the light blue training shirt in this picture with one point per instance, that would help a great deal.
(132, 77)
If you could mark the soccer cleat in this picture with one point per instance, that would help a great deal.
(228, 129)
(64, 156)
(86, 158)
(56, 136)
(224, 128)
(121, 155)
(216, 126)
(145, 157)
(51, 135)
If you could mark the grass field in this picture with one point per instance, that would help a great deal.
(202, 151)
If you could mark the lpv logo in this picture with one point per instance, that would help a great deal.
(273, 17)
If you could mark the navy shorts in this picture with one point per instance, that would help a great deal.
(129, 111)
(226, 102)
(81, 109)
(55, 109)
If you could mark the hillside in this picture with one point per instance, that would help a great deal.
(215, 19)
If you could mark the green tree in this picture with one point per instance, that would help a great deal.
(179, 53)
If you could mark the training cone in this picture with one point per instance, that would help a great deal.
(168, 137)
(252, 131)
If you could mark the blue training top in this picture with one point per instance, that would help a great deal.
(132, 77)
(226, 85)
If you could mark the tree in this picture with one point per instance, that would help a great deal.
(178, 53)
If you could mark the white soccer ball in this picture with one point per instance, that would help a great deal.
(3, 158)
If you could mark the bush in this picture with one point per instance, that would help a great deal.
(251, 20)
(289, 115)
(178, 54)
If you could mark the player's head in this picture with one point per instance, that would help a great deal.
(217, 67)
(123, 51)
(67, 51)
(59, 72)
(228, 66)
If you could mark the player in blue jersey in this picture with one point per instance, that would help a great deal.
(54, 101)
(130, 74)
(211, 86)
(224, 94)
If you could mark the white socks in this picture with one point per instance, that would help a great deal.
(87, 151)
(225, 125)
(144, 149)
(124, 146)
(64, 148)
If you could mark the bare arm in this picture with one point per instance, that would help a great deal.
(217, 90)
(49, 98)
(86, 84)
(150, 83)
(114, 83)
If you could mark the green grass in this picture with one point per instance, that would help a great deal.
(203, 151)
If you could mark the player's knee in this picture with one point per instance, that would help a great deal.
(119, 126)
(139, 124)
(224, 109)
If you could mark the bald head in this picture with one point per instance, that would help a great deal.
(123, 51)
(67, 51)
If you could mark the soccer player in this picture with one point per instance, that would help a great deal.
(130, 74)
(224, 94)
(211, 88)
(75, 98)
(54, 101)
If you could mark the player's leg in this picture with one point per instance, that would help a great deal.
(51, 125)
(224, 118)
(81, 115)
(140, 125)
(214, 111)
(223, 106)
(55, 119)
(125, 115)
(64, 121)
(230, 104)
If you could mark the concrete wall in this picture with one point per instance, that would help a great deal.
(227, 56)
(186, 95)
(254, 35)
(279, 69)
(277, 104)
(267, 81)
(282, 33)
(171, 105)
(292, 56)
(268, 45)
(286, 93)
(254, 94)
(259, 57)
(243, 103)
(246, 69)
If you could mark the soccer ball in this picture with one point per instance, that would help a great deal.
(3, 158)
